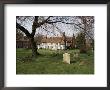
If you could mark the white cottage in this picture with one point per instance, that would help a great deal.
(54, 43)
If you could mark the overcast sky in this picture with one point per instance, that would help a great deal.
(50, 30)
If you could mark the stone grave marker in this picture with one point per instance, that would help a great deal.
(76, 54)
(66, 58)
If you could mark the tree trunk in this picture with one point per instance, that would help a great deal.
(83, 48)
(34, 48)
(73, 42)
(64, 39)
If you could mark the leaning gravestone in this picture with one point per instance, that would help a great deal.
(66, 58)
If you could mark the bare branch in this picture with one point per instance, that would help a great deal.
(18, 26)
(44, 21)
(36, 24)
(70, 23)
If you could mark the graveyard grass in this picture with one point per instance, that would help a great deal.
(50, 62)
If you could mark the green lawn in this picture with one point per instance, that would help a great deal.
(50, 62)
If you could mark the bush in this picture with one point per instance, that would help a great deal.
(80, 43)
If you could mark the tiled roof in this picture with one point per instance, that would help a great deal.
(56, 40)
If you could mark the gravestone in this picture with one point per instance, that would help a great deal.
(66, 58)
(76, 54)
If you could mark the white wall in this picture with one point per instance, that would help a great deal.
(52, 46)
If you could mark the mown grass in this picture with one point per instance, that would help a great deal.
(50, 62)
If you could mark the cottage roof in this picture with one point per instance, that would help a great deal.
(56, 40)
(49, 40)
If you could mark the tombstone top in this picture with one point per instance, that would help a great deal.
(66, 53)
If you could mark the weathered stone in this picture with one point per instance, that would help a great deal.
(76, 55)
(66, 58)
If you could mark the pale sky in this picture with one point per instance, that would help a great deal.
(52, 31)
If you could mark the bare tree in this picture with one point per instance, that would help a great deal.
(43, 22)
(36, 24)
(38, 21)
(85, 25)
